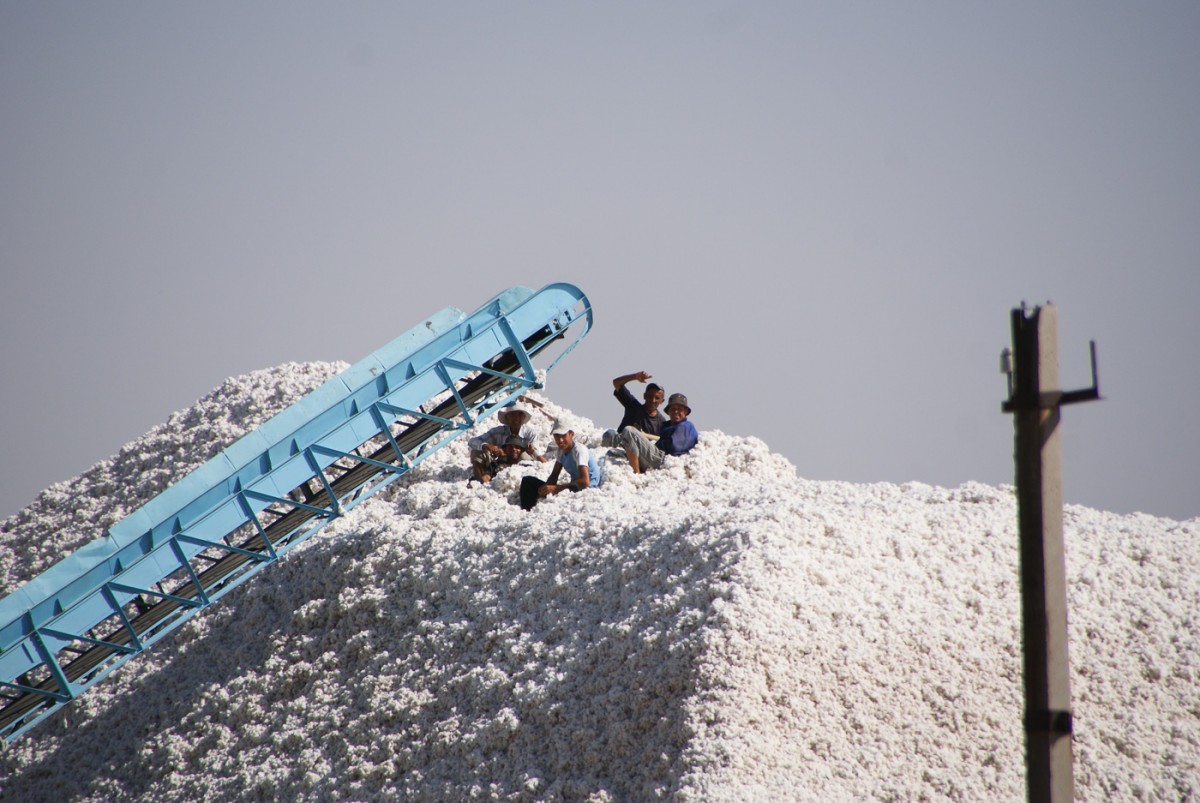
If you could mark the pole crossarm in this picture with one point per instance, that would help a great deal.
(1049, 399)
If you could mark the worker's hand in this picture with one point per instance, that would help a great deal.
(541, 458)
(492, 448)
(642, 376)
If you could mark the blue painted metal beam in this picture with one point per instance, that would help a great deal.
(238, 513)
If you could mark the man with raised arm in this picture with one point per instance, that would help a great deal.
(641, 415)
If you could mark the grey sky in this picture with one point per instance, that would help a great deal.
(814, 219)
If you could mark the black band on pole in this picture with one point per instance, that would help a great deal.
(1049, 721)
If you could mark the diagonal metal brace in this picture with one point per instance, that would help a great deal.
(191, 603)
(325, 450)
(57, 696)
(401, 411)
(259, 556)
(124, 648)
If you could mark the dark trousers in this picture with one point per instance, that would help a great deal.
(529, 491)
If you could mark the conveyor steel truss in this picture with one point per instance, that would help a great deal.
(113, 598)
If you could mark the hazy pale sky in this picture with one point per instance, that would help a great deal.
(812, 218)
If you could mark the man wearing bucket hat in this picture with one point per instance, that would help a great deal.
(488, 449)
(677, 437)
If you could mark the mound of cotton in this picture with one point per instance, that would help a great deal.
(719, 630)
(66, 516)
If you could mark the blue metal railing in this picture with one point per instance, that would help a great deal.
(218, 526)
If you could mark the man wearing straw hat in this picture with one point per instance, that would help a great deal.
(488, 449)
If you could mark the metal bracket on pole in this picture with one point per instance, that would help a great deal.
(1045, 399)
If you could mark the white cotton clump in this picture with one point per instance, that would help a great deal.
(721, 629)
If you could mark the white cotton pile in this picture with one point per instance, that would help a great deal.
(718, 630)
(66, 516)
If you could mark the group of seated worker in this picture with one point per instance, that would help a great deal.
(646, 436)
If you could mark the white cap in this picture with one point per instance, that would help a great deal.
(517, 408)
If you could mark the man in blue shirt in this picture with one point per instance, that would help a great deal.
(677, 437)
(579, 462)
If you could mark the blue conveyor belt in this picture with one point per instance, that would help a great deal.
(235, 515)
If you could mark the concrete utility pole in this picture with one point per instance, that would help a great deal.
(1035, 398)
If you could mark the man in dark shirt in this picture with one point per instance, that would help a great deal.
(644, 415)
